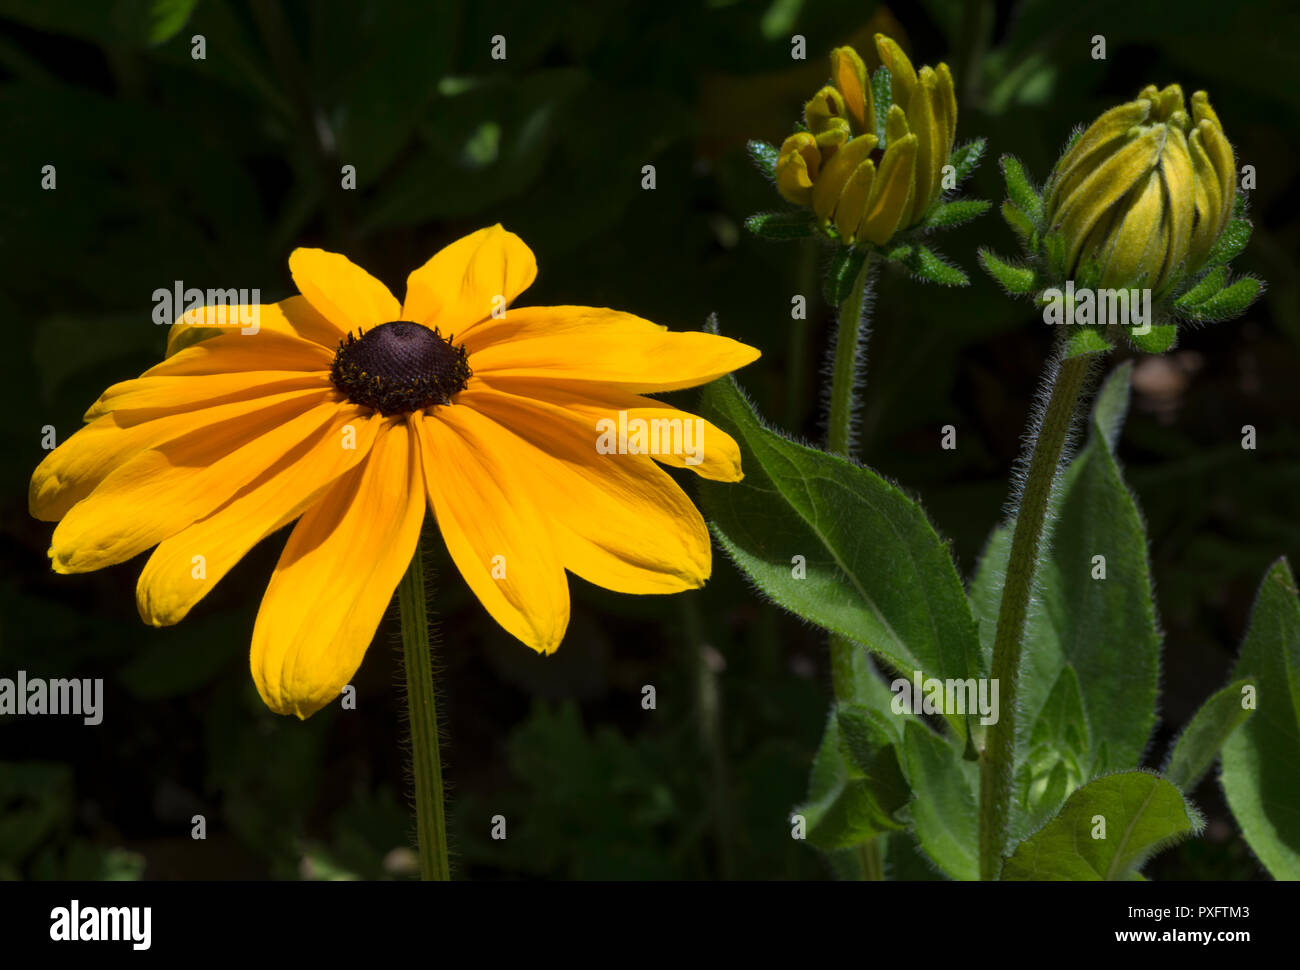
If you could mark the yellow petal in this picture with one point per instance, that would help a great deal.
(293, 317)
(931, 138)
(1209, 209)
(74, 469)
(824, 110)
(1100, 190)
(596, 344)
(480, 490)
(618, 521)
(836, 172)
(172, 580)
(1176, 171)
(341, 291)
(463, 283)
(1094, 146)
(850, 77)
(853, 201)
(681, 439)
(1135, 247)
(160, 491)
(796, 167)
(947, 105)
(145, 397)
(902, 76)
(892, 188)
(337, 575)
(1217, 147)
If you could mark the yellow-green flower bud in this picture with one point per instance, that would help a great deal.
(1144, 192)
(868, 190)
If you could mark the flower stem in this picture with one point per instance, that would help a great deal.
(849, 338)
(426, 761)
(998, 758)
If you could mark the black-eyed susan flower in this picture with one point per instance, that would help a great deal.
(349, 412)
(872, 169)
(1144, 198)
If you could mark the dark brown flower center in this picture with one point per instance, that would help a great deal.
(399, 367)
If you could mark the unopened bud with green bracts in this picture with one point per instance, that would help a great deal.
(1144, 198)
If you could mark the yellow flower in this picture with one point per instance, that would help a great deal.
(348, 412)
(839, 166)
(1145, 191)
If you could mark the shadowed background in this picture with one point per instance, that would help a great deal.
(211, 171)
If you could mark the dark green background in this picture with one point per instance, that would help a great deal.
(212, 171)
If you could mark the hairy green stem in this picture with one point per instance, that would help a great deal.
(998, 758)
(422, 708)
(849, 338)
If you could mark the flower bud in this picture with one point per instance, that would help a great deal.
(1142, 195)
(870, 188)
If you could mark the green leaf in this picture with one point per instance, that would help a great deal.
(1138, 813)
(1160, 338)
(1054, 246)
(1197, 747)
(781, 226)
(965, 158)
(763, 156)
(136, 23)
(944, 811)
(882, 97)
(956, 212)
(1259, 774)
(1058, 755)
(836, 544)
(1104, 628)
(1228, 302)
(842, 272)
(1207, 287)
(1020, 223)
(849, 803)
(1020, 190)
(1014, 279)
(1230, 243)
(926, 265)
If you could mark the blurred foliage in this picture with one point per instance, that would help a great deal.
(210, 171)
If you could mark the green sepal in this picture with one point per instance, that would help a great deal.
(965, 158)
(1229, 302)
(1054, 247)
(1230, 243)
(1142, 814)
(955, 213)
(926, 265)
(1159, 339)
(781, 226)
(763, 156)
(1085, 340)
(1020, 223)
(1020, 190)
(882, 97)
(1202, 291)
(1016, 280)
(842, 272)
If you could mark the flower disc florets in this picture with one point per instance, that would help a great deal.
(400, 367)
